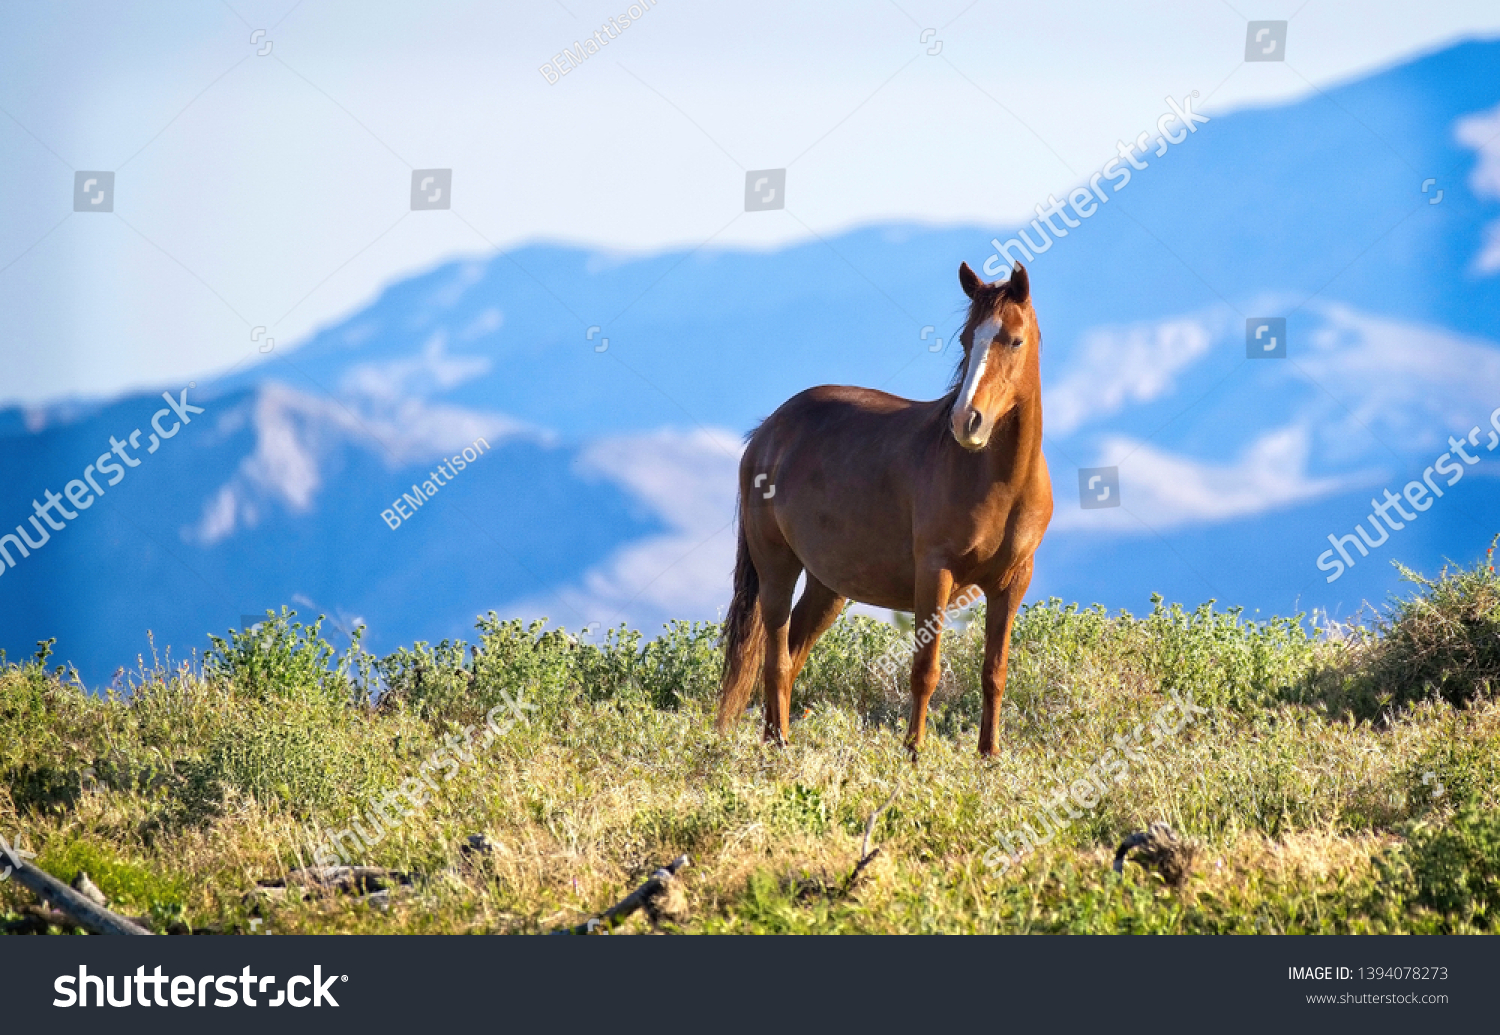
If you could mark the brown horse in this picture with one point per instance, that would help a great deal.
(898, 504)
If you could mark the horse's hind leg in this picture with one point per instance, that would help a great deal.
(817, 609)
(778, 581)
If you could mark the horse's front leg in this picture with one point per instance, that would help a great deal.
(934, 586)
(999, 615)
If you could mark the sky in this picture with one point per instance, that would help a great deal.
(263, 153)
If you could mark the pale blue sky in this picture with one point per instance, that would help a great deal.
(273, 190)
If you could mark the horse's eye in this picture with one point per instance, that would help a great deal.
(1017, 343)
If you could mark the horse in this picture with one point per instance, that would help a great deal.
(898, 504)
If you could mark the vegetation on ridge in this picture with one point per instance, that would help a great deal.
(1342, 783)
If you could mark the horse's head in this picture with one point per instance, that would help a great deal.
(1000, 341)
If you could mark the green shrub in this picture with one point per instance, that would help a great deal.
(283, 659)
(550, 668)
(840, 671)
(1444, 640)
(304, 757)
(681, 664)
(1459, 766)
(1441, 642)
(50, 732)
(1220, 658)
(523, 659)
(431, 681)
(125, 882)
(1456, 867)
(1452, 869)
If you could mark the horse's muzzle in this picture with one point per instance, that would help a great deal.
(970, 430)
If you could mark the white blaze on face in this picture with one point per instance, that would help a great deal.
(978, 353)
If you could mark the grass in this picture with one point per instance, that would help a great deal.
(1342, 784)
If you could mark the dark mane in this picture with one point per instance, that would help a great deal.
(983, 301)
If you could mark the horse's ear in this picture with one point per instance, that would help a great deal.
(968, 279)
(1018, 287)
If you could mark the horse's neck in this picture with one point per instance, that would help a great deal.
(1012, 456)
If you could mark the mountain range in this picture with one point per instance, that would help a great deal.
(610, 393)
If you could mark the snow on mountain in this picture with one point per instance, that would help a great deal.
(611, 393)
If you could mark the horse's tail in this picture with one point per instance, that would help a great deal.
(743, 638)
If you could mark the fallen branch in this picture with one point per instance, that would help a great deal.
(360, 880)
(35, 919)
(83, 912)
(639, 898)
(864, 848)
(866, 856)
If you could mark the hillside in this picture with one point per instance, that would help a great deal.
(607, 492)
(1324, 785)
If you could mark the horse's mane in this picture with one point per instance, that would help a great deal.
(985, 296)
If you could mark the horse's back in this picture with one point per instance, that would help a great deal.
(830, 410)
(868, 400)
(852, 434)
(841, 465)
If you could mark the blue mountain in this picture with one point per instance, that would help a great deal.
(603, 397)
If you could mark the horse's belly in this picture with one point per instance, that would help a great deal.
(874, 599)
(876, 594)
(855, 558)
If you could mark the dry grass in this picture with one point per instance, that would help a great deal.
(182, 795)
